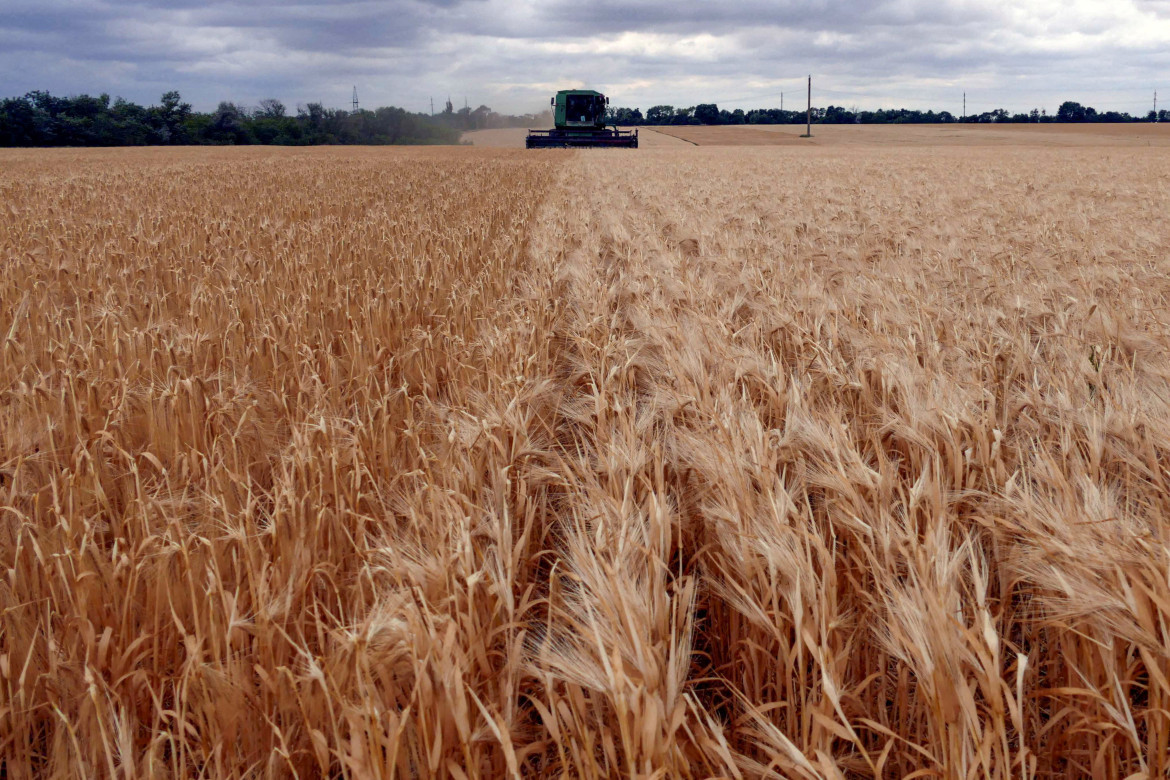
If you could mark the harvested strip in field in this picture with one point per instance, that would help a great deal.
(735, 135)
(513, 138)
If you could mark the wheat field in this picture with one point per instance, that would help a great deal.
(687, 462)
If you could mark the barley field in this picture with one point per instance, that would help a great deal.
(834, 461)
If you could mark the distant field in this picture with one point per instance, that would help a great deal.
(1096, 135)
(513, 138)
(842, 458)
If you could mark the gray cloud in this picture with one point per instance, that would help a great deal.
(690, 16)
(511, 53)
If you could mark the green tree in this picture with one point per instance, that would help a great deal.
(624, 116)
(19, 123)
(172, 116)
(227, 125)
(271, 108)
(659, 115)
(707, 114)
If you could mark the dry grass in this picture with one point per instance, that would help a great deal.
(782, 462)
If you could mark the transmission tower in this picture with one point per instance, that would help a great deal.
(355, 100)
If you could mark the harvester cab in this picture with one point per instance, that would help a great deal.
(579, 116)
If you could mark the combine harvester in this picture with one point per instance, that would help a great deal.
(579, 115)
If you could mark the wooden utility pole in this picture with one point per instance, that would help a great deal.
(964, 107)
(808, 127)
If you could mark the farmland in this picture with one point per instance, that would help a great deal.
(1099, 136)
(848, 459)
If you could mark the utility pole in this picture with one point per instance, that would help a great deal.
(1155, 105)
(432, 106)
(355, 100)
(964, 117)
(808, 130)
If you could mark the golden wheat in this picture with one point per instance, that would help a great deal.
(778, 462)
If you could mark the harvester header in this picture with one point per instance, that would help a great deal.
(579, 116)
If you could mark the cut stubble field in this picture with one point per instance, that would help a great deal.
(688, 462)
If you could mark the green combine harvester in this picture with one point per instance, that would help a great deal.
(579, 115)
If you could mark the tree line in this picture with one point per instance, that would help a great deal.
(711, 114)
(41, 119)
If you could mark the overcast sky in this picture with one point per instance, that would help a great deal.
(512, 54)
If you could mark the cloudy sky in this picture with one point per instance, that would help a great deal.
(511, 54)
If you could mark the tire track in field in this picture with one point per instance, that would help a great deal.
(670, 135)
